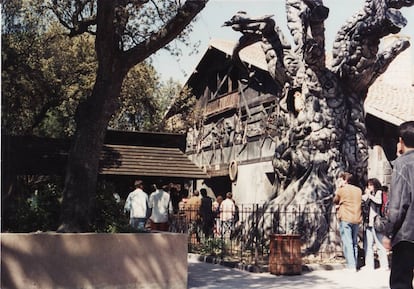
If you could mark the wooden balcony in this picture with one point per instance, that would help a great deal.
(223, 103)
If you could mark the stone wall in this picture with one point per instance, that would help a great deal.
(104, 261)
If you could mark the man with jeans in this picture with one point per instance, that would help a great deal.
(400, 229)
(348, 203)
(137, 204)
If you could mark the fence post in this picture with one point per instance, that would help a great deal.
(256, 230)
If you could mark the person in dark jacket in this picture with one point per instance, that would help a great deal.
(206, 213)
(400, 228)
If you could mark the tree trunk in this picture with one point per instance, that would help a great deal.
(92, 118)
(83, 164)
(94, 114)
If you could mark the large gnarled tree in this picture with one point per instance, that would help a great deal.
(127, 32)
(320, 109)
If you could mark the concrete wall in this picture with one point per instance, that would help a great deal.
(104, 261)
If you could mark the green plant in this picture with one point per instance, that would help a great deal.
(212, 246)
(108, 212)
(34, 205)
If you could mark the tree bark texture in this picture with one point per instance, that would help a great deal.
(319, 111)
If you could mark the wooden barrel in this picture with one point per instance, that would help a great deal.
(285, 255)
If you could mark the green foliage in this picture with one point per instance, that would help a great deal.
(45, 75)
(141, 103)
(36, 203)
(109, 216)
(170, 90)
(33, 206)
(212, 246)
(24, 16)
(136, 21)
(183, 112)
(43, 79)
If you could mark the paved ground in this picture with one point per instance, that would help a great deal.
(203, 275)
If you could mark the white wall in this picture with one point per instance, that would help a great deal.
(252, 184)
(378, 165)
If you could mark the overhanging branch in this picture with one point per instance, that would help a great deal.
(165, 35)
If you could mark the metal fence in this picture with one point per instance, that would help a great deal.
(247, 241)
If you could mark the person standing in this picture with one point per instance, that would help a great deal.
(137, 206)
(160, 204)
(192, 208)
(348, 199)
(206, 214)
(400, 229)
(373, 197)
(227, 210)
(216, 214)
(175, 199)
(384, 206)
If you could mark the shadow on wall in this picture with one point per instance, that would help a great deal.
(48, 260)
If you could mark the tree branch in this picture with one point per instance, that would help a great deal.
(76, 16)
(82, 27)
(384, 59)
(306, 24)
(165, 35)
(356, 45)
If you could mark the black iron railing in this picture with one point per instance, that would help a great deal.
(247, 240)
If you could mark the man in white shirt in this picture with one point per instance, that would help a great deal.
(227, 210)
(137, 205)
(160, 203)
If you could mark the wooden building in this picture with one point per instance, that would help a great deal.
(390, 102)
(125, 157)
(233, 139)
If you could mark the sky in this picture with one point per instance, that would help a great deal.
(209, 26)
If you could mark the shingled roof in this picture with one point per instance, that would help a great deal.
(392, 104)
(390, 98)
(45, 156)
(148, 161)
(252, 54)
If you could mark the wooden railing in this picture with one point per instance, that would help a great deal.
(225, 102)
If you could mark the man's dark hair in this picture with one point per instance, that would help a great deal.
(138, 184)
(348, 177)
(159, 184)
(203, 192)
(406, 132)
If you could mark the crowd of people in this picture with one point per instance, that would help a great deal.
(149, 212)
(356, 207)
(197, 214)
(387, 217)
